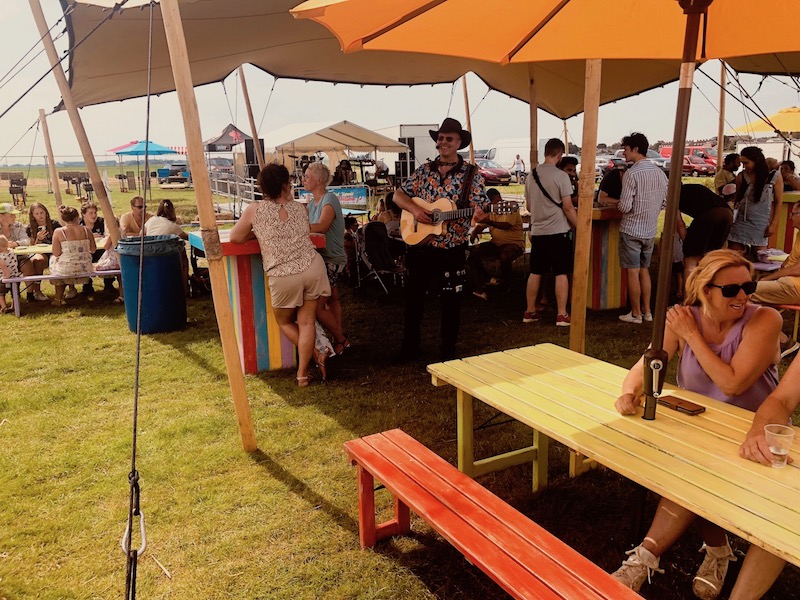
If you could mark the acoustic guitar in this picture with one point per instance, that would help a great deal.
(440, 211)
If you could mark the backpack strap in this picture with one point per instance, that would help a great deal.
(544, 191)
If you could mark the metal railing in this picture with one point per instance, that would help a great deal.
(238, 189)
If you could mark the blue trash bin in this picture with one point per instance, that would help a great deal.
(163, 292)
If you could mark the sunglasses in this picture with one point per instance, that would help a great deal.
(445, 138)
(732, 289)
(138, 206)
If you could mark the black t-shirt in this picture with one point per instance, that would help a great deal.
(98, 227)
(612, 184)
(48, 238)
(697, 199)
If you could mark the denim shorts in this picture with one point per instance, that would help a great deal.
(633, 252)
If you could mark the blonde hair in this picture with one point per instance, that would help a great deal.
(322, 172)
(711, 264)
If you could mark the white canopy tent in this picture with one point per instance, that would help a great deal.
(344, 135)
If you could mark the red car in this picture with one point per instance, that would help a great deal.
(695, 166)
(493, 173)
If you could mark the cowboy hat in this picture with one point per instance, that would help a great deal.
(452, 126)
(8, 209)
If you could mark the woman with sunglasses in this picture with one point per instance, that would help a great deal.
(728, 350)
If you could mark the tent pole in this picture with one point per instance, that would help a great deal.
(256, 141)
(469, 119)
(75, 119)
(566, 136)
(51, 163)
(721, 130)
(533, 106)
(583, 236)
(179, 58)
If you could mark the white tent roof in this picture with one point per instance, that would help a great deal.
(313, 137)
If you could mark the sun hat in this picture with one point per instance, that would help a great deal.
(450, 125)
(6, 208)
(729, 189)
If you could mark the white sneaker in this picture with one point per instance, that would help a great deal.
(40, 297)
(648, 317)
(640, 565)
(70, 293)
(629, 318)
(710, 576)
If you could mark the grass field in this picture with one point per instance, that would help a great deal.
(281, 522)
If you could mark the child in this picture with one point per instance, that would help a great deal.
(8, 268)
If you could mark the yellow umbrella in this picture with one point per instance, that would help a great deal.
(786, 120)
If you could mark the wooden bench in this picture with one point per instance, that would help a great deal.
(520, 556)
(15, 281)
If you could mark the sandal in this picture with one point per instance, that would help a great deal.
(119, 300)
(340, 347)
(302, 381)
(320, 359)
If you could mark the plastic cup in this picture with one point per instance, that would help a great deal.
(779, 440)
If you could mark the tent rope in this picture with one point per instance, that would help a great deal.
(33, 149)
(452, 93)
(269, 98)
(14, 145)
(134, 508)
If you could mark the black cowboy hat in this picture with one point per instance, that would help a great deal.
(452, 126)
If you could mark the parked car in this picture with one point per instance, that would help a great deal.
(493, 173)
(653, 156)
(694, 167)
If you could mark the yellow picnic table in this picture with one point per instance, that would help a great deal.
(34, 249)
(692, 460)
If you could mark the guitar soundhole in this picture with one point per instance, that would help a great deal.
(435, 216)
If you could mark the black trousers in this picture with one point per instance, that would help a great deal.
(444, 270)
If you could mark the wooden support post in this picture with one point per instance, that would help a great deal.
(465, 422)
(533, 106)
(256, 141)
(583, 234)
(51, 163)
(541, 447)
(566, 137)
(579, 464)
(469, 118)
(75, 119)
(179, 58)
(721, 128)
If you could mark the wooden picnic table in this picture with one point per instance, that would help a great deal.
(33, 249)
(692, 460)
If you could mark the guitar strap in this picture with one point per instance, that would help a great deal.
(463, 199)
(544, 191)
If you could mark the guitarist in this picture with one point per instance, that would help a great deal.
(441, 260)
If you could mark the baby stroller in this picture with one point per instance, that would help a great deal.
(374, 259)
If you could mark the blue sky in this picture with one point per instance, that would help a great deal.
(494, 115)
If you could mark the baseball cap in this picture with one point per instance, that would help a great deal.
(729, 189)
(6, 208)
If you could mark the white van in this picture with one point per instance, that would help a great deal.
(504, 151)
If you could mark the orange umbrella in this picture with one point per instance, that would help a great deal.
(550, 30)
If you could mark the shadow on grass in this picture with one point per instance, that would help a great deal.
(299, 488)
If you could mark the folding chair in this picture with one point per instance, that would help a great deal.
(372, 243)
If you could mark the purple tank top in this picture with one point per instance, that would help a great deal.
(692, 377)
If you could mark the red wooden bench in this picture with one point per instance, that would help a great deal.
(520, 556)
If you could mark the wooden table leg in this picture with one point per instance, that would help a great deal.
(540, 457)
(366, 508)
(465, 420)
(579, 464)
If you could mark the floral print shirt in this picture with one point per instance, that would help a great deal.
(426, 183)
(286, 248)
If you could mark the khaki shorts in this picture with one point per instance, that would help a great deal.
(777, 291)
(291, 291)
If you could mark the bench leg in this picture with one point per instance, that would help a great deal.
(368, 532)
(579, 464)
(466, 424)
(540, 445)
(15, 298)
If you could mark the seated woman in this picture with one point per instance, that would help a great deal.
(297, 276)
(391, 218)
(15, 234)
(40, 231)
(728, 350)
(791, 182)
(73, 245)
(165, 223)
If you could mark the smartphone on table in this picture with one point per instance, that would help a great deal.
(681, 405)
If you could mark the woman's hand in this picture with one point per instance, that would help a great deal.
(755, 448)
(41, 235)
(681, 321)
(627, 404)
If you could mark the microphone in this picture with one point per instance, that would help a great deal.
(437, 146)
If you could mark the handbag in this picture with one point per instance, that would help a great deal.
(109, 261)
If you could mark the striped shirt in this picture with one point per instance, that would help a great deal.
(644, 195)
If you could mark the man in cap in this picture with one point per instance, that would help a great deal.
(15, 233)
(440, 259)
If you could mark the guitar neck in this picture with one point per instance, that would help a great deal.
(461, 213)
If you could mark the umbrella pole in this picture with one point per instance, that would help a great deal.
(655, 358)
(583, 235)
(179, 58)
(566, 136)
(75, 119)
(256, 141)
(721, 129)
(51, 163)
(469, 119)
(533, 107)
